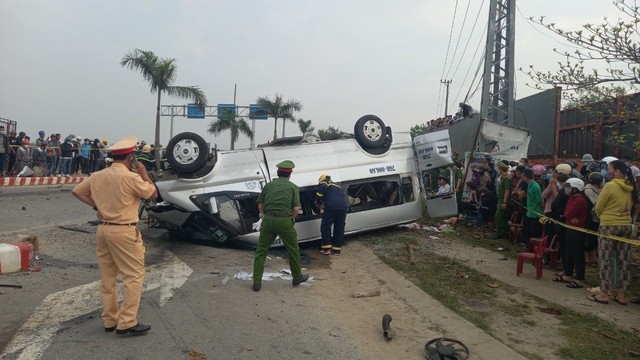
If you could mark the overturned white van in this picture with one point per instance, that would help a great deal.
(378, 170)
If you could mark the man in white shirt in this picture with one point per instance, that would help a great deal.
(443, 186)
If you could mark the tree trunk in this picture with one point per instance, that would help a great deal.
(157, 151)
(284, 122)
(275, 127)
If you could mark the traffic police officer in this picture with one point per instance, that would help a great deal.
(330, 197)
(279, 203)
(115, 193)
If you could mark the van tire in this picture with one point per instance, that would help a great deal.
(187, 153)
(370, 131)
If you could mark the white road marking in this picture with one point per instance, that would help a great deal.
(37, 333)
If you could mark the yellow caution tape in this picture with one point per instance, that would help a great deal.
(545, 219)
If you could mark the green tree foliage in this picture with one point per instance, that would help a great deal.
(160, 73)
(230, 121)
(418, 130)
(305, 127)
(279, 109)
(330, 133)
(601, 69)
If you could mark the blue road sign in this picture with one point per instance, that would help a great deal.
(256, 112)
(194, 112)
(222, 108)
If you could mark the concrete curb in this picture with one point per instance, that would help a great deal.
(40, 180)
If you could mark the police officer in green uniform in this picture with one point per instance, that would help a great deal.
(279, 203)
(504, 190)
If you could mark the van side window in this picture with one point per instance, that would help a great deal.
(228, 211)
(374, 194)
(438, 182)
(308, 204)
(239, 214)
(407, 189)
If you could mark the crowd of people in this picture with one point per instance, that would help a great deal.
(465, 111)
(597, 196)
(54, 156)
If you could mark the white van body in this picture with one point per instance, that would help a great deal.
(383, 190)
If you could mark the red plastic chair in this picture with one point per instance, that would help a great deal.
(552, 249)
(516, 228)
(536, 257)
(533, 242)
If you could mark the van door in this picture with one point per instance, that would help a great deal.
(436, 173)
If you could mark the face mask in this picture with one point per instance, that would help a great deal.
(568, 191)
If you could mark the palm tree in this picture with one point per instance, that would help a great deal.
(305, 127)
(329, 133)
(278, 109)
(232, 122)
(160, 73)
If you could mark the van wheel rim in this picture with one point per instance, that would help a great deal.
(186, 152)
(372, 130)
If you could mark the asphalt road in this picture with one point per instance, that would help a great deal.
(198, 310)
(211, 313)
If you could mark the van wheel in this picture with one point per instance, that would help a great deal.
(386, 145)
(370, 131)
(187, 152)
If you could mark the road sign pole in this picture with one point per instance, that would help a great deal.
(172, 116)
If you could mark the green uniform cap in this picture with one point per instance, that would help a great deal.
(287, 164)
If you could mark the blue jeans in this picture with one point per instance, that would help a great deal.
(52, 164)
(65, 167)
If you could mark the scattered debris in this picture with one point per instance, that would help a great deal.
(493, 285)
(11, 286)
(412, 256)
(504, 258)
(32, 240)
(71, 228)
(500, 249)
(413, 225)
(610, 335)
(387, 331)
(35, 268)
(550, 311)
(634, 353)
(225, 280)
(24, 208)
(286, 271)
(433, 237)
(363, 294)
(594, 290)
(446, 348)
(196, 355)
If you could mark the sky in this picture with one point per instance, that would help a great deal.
(60, 60)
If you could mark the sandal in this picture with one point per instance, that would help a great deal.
(620, 301)
(561, 279)
(594, 298)
(575, 285)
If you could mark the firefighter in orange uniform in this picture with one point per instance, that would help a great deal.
(115, 194)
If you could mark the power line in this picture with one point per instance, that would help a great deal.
(473, 28)
(469, 68)
(455, 51)
(446, 57)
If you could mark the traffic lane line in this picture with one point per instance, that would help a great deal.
(38, 332)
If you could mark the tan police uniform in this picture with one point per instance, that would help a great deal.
(116, 192)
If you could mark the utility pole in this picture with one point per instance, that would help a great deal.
(446, 101)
